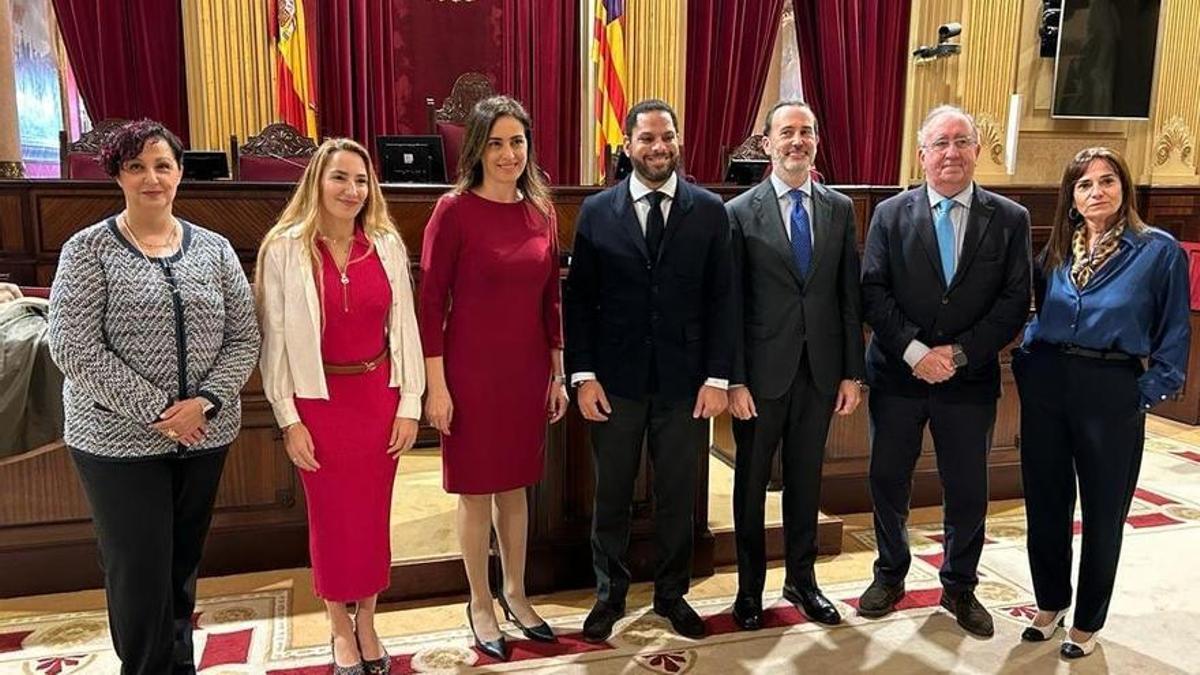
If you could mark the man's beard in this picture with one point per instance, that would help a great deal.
(656, 176)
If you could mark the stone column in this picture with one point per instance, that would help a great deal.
(10, 130)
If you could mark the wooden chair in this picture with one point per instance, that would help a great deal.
(81, 159)
(752, 148)
(449, 121)
(278, 154)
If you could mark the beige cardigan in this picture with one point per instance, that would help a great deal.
(291, 328)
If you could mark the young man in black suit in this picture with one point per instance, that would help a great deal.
(799, 354)
(649, 346)
(946, 279)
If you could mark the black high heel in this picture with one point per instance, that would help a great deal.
(379, 666)
(540, 632)
(497, 649)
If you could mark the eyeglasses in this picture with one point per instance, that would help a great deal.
(943, 144)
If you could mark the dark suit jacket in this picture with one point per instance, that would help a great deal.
(904, 297)
(620, 310)
(778, 314)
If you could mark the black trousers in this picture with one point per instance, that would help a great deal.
(796, 424)
(676, 442)
(962, 436)
(1080, 421)
(151, 518)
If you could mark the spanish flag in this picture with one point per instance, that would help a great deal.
(295, 89)
(608, 52)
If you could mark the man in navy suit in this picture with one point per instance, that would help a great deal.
(649, 344)
(945, 281)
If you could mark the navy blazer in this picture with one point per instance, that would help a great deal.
(623, 312)
(905, 297)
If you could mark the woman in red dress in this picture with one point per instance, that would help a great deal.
(492, 329)
(343, 370)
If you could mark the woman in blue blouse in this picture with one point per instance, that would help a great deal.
(1112, 295)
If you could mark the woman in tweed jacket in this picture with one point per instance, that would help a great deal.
(152, 323)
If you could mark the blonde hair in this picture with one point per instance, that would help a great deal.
(470, 162)
(303, 210)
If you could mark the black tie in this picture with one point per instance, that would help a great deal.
(655, 227)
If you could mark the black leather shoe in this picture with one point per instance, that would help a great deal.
(540, 632)
(684, 620)
(747, 613)
(813, 603)
(598, 625)
(971, 615)
(497, 649)
(879, 599)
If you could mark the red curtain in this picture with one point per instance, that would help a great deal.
(729, 49)
(356, 95)
(128, 59)
(852, 63)
(380, 59)
(541, 69)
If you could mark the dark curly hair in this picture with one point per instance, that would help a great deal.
(127, 142)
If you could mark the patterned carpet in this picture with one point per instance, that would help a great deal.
(270, 623)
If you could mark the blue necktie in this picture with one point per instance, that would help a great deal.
(801, 233)
(945, 237)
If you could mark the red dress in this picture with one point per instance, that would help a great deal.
(490, 307)
(350, 496)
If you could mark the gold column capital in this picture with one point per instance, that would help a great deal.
(12, 170)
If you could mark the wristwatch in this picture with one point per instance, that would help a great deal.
(959, 358)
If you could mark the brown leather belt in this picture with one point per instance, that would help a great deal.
(356, 368)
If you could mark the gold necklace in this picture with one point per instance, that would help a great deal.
(343, 268)
(171, 238)
(168, 276)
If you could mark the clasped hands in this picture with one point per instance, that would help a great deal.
(183, 421)
(937, 366)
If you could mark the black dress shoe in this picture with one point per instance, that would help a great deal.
(813, 603)
(684, 620)
(880, 599)
(747, 613)
(599, 622)
(971, 615)
(497, 649)
(540, 632)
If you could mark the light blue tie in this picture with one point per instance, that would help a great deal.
(945, 237)
(801, 231)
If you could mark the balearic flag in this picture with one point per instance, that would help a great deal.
(295, 92)
(608, 52)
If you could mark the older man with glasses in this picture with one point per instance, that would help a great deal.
(946, 282)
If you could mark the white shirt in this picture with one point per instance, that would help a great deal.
(641, 206)
(916, 350)
(291, 362)
(787, 205)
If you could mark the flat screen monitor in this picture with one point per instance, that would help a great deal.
(205, 165)
(411, 159)
(746, 171)
(1106, 55)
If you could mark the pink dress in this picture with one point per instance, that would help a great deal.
(490, 307)
(350, 496)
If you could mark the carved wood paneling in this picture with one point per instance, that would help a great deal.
(278, 139)
(468, 89)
